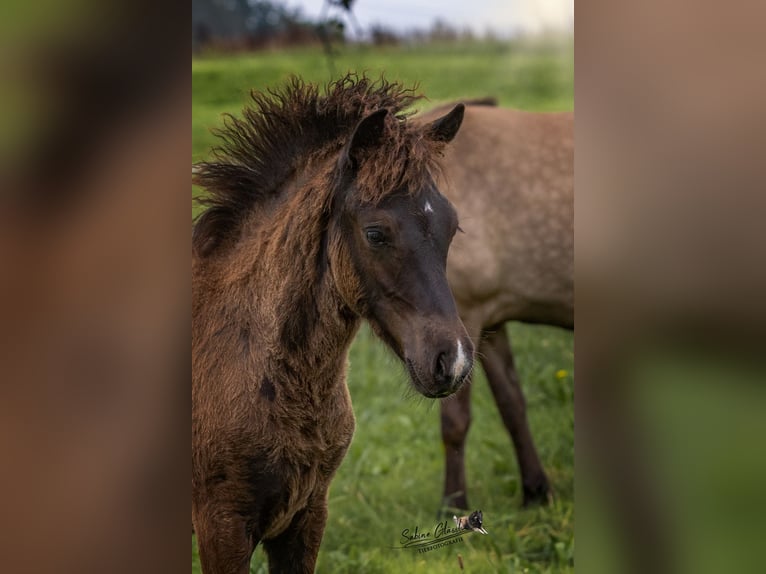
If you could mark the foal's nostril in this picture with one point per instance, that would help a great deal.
(442, 368)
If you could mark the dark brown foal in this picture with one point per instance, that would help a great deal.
(323, 211)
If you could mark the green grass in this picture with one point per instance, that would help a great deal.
(391, 478)
(525, 76)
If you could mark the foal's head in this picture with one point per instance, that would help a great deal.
(389, 237)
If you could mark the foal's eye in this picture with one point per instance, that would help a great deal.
(375, 237)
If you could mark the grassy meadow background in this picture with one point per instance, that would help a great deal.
(392, 476)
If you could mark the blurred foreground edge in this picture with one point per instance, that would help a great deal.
(670, 281)
(95, 295)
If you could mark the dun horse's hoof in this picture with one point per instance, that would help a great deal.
(452, 504)
(538, 493)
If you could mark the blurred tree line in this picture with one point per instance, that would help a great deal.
(257, 24)
(233, 25)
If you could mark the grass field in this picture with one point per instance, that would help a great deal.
(391, 478)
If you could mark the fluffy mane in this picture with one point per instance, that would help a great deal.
(280, 130)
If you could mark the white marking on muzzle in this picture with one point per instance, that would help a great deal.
(427, 208)
(460, 360)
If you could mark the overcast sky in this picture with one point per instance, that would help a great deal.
(502, 16)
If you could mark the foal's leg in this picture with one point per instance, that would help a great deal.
(455, 419)
(500, 369)
(223, 543)
(296, 549)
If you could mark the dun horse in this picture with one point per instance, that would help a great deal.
(323, 211)
(510, 175)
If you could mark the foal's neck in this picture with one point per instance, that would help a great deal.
(312, 328)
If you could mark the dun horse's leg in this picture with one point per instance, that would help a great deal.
(499, 366)
(456, 419)
(296, 549)
(223, 543)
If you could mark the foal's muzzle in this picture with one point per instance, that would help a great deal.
(443, 368)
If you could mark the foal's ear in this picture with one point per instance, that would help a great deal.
(367, 135)
(445, 128)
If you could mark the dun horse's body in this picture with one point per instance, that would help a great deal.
(510, 175)
(323, 212)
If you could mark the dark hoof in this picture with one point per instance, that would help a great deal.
(452, 505)
(537, 493)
